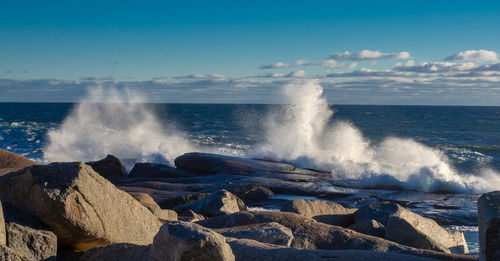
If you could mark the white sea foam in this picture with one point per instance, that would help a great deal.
(115, 122)
(304, 133)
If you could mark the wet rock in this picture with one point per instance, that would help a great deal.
(155, 170)
(218, 203)
(329, 213)
(249, 250)
(10, 162)
(272, 233)
(109, 167)
(179, 240)
(489, 226)
(122, 252)
(81, 207)
(190, 216)
(369, 227)
(213, 163)
(27, 236)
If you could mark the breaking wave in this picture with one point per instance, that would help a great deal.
(304, 133)
(109, 121)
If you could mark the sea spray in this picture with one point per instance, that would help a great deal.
(304, 133)
(109, 121)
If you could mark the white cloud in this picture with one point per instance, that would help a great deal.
(369, 55)
(474, 55)
(278, 65)
(433, 67)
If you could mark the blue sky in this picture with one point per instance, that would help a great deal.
(233, 51)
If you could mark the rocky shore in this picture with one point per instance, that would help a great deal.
(214, 207)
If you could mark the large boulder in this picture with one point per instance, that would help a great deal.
(369, 227)
(407, 228)
(10, 162)
(81, 207)
(122, 252)
(272, 233)
(27, 236)
(488, 206)
(214, 163)
(178, 240)
(218, 203)
(109, 167)
(322, 211)
(250, 250)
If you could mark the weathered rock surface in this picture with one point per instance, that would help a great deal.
(249, 250)
(7, 254)
(322, 211)
(155, 170)
(179, 240)
(369, 227)
(218, 203)
(272, 233)
(122, 252)
(408, 228)
(27, 236)
(82, 208)
(109, 167)
(489, 226)
(10, 162)
(213, 163)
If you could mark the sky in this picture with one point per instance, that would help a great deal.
(361, 52)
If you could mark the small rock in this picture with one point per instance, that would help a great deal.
(190, 216)
(182, 199)
(109, 167)
(147, 201)
(272, 233)
(329, 213)
(369, 227)
(179, 240)
(218, 203)
(489, 226)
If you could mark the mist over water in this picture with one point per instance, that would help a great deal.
(305, 134)
(115, 122)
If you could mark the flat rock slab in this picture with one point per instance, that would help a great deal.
(214, 163)
(81, 207)
(322, 211)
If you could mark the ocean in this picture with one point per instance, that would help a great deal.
(445, 149)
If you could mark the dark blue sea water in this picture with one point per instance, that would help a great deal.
(469, 136)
